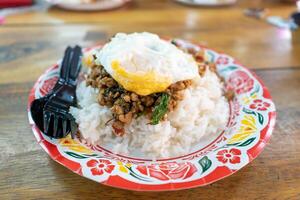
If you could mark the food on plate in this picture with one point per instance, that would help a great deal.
(147, 96)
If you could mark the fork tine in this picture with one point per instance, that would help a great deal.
(64, 127)
(47, 118)
(73, 128)
(55, 125)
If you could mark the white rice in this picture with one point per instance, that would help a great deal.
(204, 111)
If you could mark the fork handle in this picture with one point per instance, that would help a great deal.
(75, 66)
(65, 65)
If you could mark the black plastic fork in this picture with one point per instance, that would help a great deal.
(57, 121)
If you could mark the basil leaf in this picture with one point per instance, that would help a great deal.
(160, 109)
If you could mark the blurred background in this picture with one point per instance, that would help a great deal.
(254, 31)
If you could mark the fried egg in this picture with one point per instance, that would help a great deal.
(145, 64)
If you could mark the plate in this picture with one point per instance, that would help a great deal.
(207, 2)
(99, 5)
(249, 128)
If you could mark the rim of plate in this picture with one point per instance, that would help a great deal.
(184, 172)
(89, 7)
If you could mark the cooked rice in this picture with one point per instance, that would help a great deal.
(204, 111)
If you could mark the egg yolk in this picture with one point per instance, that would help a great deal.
(142, 84)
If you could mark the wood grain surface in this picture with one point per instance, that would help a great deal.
(31, 42)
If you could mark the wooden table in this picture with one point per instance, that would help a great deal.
(31, 42)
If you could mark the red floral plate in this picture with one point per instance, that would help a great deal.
(250, 125)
